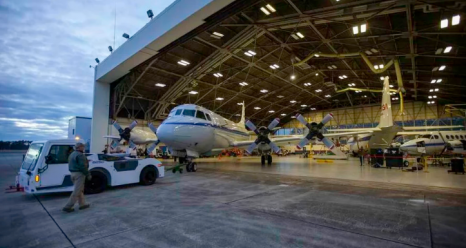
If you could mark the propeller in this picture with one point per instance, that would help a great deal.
(263, 135)
(125, 134)
(315, 130)
(153, 145)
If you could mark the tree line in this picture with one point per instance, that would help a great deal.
(15, 145)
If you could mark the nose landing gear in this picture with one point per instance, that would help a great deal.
(267, 157)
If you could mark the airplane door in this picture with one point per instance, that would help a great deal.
(55, 173)
(421, 147)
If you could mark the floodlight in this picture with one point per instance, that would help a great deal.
(125, 35)
(150, 14)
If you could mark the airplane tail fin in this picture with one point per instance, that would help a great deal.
(386, 118)
(243, 113)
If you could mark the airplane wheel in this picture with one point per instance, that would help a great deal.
(194, 167)
(188, 167)
(269, 159)
(406, 163)
(262, 159)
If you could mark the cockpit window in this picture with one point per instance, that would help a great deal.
(171, 113)
(178, 112)
(200, 115)
(189, 112)
(426, 136)
(208, 117)
(436, 136)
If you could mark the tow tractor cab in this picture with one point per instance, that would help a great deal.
(45, 169)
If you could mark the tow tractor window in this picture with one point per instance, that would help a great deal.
(59, 154)
(178, 112)
(30, 159)
(200, 115)
(189, 112)
(208, 117)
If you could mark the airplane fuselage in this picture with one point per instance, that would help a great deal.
(434, 142)
(197, 130)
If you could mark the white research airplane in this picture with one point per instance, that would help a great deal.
(191, 131)
(385, 132)
(436, 143)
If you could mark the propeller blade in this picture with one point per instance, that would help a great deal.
(251, 126)
(273, 124)
(328, 143)
(132, 125)
(117, 126)
(274, 147)
(131, 144)
(114, 144)
(303, 143)
(327, 118)
(151, 148)
(301, 119)
(152, 128)
(251, 147)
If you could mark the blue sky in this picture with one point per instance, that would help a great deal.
(45, 52)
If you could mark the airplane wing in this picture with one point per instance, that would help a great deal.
(430, 127)
(112, 137)
(354, 129)
(293, 139)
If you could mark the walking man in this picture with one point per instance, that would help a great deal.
(79, 168)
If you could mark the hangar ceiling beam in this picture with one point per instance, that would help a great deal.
(207, 63)
(409, 19)
(132, 85)
(324, 41)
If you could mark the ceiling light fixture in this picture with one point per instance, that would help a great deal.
(183, 62)
(334, 66)
(219, 98)
(218, 74)
(442, 68)
(300, 35)
(327, 96)
(160, 85)
(193, 92)
(243, 83)
(250, 53)
(274, 66)
(376, 67)
(272, 9)
(382, 78)
(240, 103)
(318, 90)
(444, 23)
(391, 86)
(265, 11)
(293, 77)
(447, 49)
(264, 91)
(280, 96)
(455, 20)
(257, 108)
(317, 74)
(271, 111)
(283, 114)
(313, 108)
(307, 84)
(303, 105)
(293, 101)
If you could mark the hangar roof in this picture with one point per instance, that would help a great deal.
(219, 62)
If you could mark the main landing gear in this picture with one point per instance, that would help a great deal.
(267, 157)
(190, 166)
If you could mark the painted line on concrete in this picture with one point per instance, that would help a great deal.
(64, 234)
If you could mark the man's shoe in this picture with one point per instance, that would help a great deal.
(84, 206)
(68, 210)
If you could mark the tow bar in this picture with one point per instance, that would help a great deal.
(14, 188)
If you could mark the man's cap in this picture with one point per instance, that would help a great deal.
(79, 144)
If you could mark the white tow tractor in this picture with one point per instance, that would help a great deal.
(45, 169)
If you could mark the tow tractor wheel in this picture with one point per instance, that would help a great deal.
(269, 159)
(97, 184)
(262, 159)
(188, 167)
(148, 176)
(194, 167)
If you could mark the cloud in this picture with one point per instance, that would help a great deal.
(45, 53)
